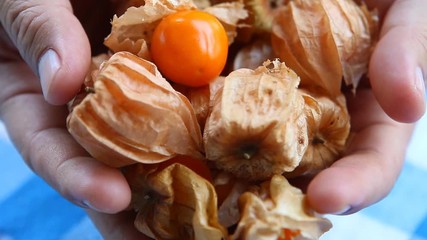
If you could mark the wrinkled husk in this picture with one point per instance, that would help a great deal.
(132, 31)
(263, 12)
(174, 203)
(231, 189)
(254, 54)
(230, 14)
(134, 115)
(325, 41)
(274, 208)
(96, 62)
(201, 97)
(257, 127)
(328, 125)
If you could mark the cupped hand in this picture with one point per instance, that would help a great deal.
(45, 54)
(371, 163)
(44, 57)
(377, 149)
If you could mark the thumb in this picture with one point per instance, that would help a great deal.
(52, 41)
(398, 65)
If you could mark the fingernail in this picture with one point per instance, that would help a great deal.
(343, 211)
(87, 204)
(420, 81)
(48, 67)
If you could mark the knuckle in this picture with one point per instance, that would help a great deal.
(26, 23)
(421, 38)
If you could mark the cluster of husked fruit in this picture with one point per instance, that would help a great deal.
(208, 108)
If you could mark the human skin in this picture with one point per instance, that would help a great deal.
(43, 63)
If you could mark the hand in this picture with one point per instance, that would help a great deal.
(371, 164)
(376, 153)
(38, 128)
(44, 38)
(398, 67)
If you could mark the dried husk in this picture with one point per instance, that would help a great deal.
(254, 54)
(257, 128)
(96, 62)
(200, 98)
(230, 14)
(328, 123)
(174, 203)
(132, 31)
(229, 189)
(134, 115)
(324, 41)
(274, 208)
(257, 124)
(263, 11)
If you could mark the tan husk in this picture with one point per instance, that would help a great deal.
(200, 98)
(260, 125)
(96, 62)
(274, 207)
(257, 128)
(325, 41)
(328, 123)
(231, 189)
(264, 11)
(134, 115)
(174, 203)
(132, 31)
(230, 14)
(253, 54)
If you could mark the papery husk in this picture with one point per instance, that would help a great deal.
(132, 31)
(230, 14)
(328, 123)
(174, 203)
(228, 212)
(201, 97)
(254, 54)
(134, 115)
(263, 12)
(95, 64)
(274, 207)
(324, 41)
(257, 128)
(229, 189)
(201, 4)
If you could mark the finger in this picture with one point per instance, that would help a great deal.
(399, 61)
(38, 131)
(371, 166)
(118, 226)
(52, 41)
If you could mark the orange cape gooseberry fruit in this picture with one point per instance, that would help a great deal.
(190, 47)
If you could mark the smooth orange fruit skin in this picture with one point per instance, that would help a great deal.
(190, 47)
